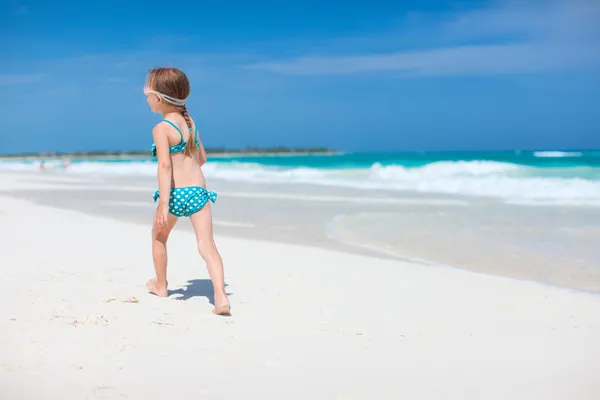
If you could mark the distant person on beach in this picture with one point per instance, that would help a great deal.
(181, 184)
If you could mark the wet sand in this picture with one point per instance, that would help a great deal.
(551, 244)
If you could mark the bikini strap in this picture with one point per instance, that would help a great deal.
(174, 126)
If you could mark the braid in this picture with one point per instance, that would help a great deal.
(190, 146)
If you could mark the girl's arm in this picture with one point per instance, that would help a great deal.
(161, 140)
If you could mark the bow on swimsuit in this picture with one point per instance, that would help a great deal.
(185, 201)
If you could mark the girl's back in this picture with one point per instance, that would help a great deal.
(186, 170)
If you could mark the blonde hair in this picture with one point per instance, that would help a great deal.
(174, 83)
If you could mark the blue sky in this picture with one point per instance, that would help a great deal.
(355, 76)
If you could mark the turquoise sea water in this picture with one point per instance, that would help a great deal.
(357, 160)
(540, 177)
(576, 164)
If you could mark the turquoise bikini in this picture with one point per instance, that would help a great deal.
(185, 201)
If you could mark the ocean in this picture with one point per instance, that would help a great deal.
(516, 177)
(524, 214)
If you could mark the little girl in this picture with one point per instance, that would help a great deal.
(181, 184)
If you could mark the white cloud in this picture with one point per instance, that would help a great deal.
(535, 36)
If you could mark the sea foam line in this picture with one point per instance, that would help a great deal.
(556, 154)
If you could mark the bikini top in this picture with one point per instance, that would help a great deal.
(178, 148)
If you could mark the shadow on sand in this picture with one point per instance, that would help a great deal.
(197, 288)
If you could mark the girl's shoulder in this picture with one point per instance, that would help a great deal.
(163, 123)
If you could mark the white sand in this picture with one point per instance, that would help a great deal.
(306, 324)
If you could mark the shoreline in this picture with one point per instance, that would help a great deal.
(456, 231)
(365, 251)
(384, 253)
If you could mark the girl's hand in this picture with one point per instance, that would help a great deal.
(161, 217)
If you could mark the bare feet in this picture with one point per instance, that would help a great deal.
(154, 287)
(224, 309)
(222, 306)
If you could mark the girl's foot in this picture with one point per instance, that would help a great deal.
(222, 306)
(155, 288)
(222, 310)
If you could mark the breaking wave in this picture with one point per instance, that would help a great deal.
(513, 183)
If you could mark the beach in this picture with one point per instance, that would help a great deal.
(314, 316)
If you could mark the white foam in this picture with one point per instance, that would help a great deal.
(25, 166)
(510, 182)
(478, 178)
(506, 181)
(556, 154)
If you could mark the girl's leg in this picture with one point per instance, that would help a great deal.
(202, 223)
(158, 285)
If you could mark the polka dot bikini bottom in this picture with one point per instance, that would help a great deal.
(185, 201)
